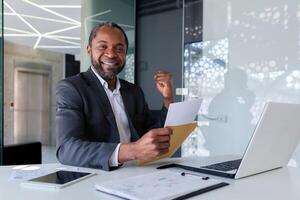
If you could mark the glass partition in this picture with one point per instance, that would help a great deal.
(38, 42)
(121, 12)
(237, 56)
(1, 80)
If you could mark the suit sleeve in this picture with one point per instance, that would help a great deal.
(73, 147)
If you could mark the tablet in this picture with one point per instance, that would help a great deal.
(56, 180)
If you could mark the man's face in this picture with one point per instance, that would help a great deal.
(108, 52)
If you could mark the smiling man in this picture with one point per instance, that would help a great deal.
(103, 121)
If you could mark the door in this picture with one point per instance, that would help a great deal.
(31, 109)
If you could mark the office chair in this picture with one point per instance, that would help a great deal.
(18, 154)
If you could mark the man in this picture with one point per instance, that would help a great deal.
(103, 121)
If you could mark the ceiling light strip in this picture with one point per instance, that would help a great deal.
(20, 35)
(61, 6)
(61, 40)
(21, 18)
(42, 18)
(62, 30)
(89, 18)
(65, 37)
(126, 25)
(16, 30)
(101, 21)
(98, 14)
(57, 47)
(52, 12)
(37, 42)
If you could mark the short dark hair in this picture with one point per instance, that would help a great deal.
(108, 24)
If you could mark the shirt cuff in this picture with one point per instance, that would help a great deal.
(114, 158)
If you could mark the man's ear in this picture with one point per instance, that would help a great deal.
(89, 49)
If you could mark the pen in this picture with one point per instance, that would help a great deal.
(186, 173)
(201, 191)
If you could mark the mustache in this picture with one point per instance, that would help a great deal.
(99, 69)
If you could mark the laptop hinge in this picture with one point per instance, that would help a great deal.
(197, 169)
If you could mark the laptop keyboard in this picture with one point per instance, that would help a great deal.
(225, 166)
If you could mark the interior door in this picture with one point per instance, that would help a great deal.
(31, 109)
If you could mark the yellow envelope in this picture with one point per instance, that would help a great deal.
(180, 133)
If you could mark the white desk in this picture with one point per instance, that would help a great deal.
(281, 184)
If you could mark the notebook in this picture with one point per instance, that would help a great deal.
(275, 138)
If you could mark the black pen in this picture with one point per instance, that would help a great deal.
(186, 173)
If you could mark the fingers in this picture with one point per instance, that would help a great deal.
(164, 151)
(160, 148)
(162, 138)
(154, 143)
(162, 131)
(161, 72)
(163, 145)
(162, 76)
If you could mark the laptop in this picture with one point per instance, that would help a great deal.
(272, 144)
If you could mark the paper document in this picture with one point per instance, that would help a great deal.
(159, 185)
(182, 112)
(180, 133)
(180, 119)
(22, 175)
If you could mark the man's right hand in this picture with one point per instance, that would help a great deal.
(154, 143)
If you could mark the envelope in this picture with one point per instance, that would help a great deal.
(180, 133)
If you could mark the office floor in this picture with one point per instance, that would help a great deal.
(49, 154)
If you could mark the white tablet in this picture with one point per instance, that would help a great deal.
(56, 180)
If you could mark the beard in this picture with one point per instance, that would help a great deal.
(106, 76)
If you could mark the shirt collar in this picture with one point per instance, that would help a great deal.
(104, 83)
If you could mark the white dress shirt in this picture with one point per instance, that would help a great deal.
(117, 106)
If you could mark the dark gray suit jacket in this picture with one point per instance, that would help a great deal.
(86, 128)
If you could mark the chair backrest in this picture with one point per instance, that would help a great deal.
(18, 154)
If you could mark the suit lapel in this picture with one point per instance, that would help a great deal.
(102, 99)
(128, 101)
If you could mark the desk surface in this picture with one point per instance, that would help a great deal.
(283, 183)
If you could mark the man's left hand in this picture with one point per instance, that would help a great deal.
(163, 82)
